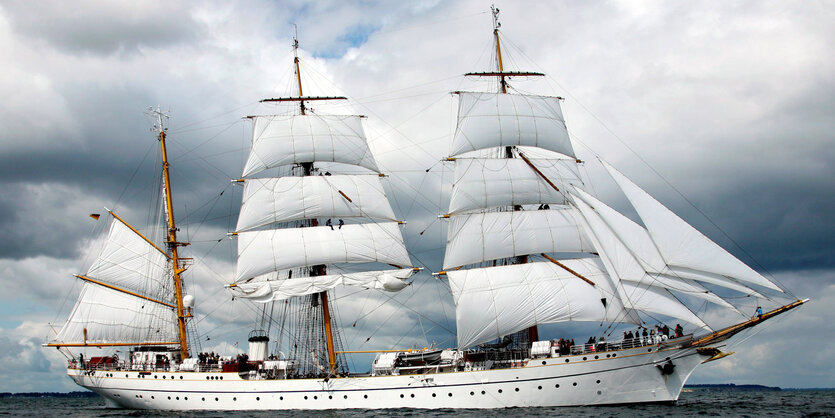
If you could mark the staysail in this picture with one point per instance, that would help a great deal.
(126, 295)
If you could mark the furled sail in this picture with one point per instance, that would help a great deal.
(105, 316)
(679, 243)
(477, 237)
(487, 120)
(270, 288)
(489, 182)
(495, 301)
(284, 199)
(128, 261)
(279, 140)
(261, 252)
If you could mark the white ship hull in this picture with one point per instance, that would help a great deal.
(628, 376)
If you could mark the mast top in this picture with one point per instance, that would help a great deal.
(496, 23)
(162, 119)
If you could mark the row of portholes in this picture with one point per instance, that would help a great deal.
(142, 376)
(315, 397)
(595, 357)
(214, 377)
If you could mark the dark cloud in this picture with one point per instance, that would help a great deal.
(103, 28)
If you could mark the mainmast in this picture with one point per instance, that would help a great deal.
(173, 245)
(307, 170)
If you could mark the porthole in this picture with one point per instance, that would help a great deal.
(258, 398)
(566, 360)
(412, 395)
(401, 395)
(186, 398)
(615, 355)
(280, 398)
(483, 392)
(221, 377)
(330, 396)
(608, 355)
(574, 384)
(500, 391)
(472, 393)
(181, 377)
(155, 376)
(216, 399)
(450, 394)
(152, 397)
(163, 376)
(344, 396)
(517, 389)
(365, 396)
(599, 392)
(557, 386)
(543, 362)
(649, 350)
(234, 399)
(305, 397)
(207, 377)
(596, 357)
(434, 395)
(177, 398)
(203, 399)
(315, 397)
(584, 358)
(598, 382)
(169, 398)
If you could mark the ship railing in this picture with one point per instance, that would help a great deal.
(624, 344)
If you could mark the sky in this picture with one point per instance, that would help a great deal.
(721, 110)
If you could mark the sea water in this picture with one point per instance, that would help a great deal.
(750, 403)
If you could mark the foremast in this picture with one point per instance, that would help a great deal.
(533, 331)
(177, 263)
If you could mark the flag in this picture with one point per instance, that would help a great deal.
(95, 216)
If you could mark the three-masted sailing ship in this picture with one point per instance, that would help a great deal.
(527, 245)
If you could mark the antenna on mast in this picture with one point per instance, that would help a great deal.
(161, 119)
(496, 23)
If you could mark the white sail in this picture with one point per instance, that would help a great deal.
(637, 239)
(488, 120)
(679, 243)
(626, 263)
(110, 316)
(129, 262)
(260, 252)
(284, 199)
(269, 289)
(281, 140)
(660, 301)
(493, 302)
(477, 237)
(489, 182)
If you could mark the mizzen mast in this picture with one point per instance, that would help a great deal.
(178, 266)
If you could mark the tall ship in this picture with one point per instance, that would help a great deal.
(527, 246)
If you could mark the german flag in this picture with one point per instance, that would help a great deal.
(95, 216)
